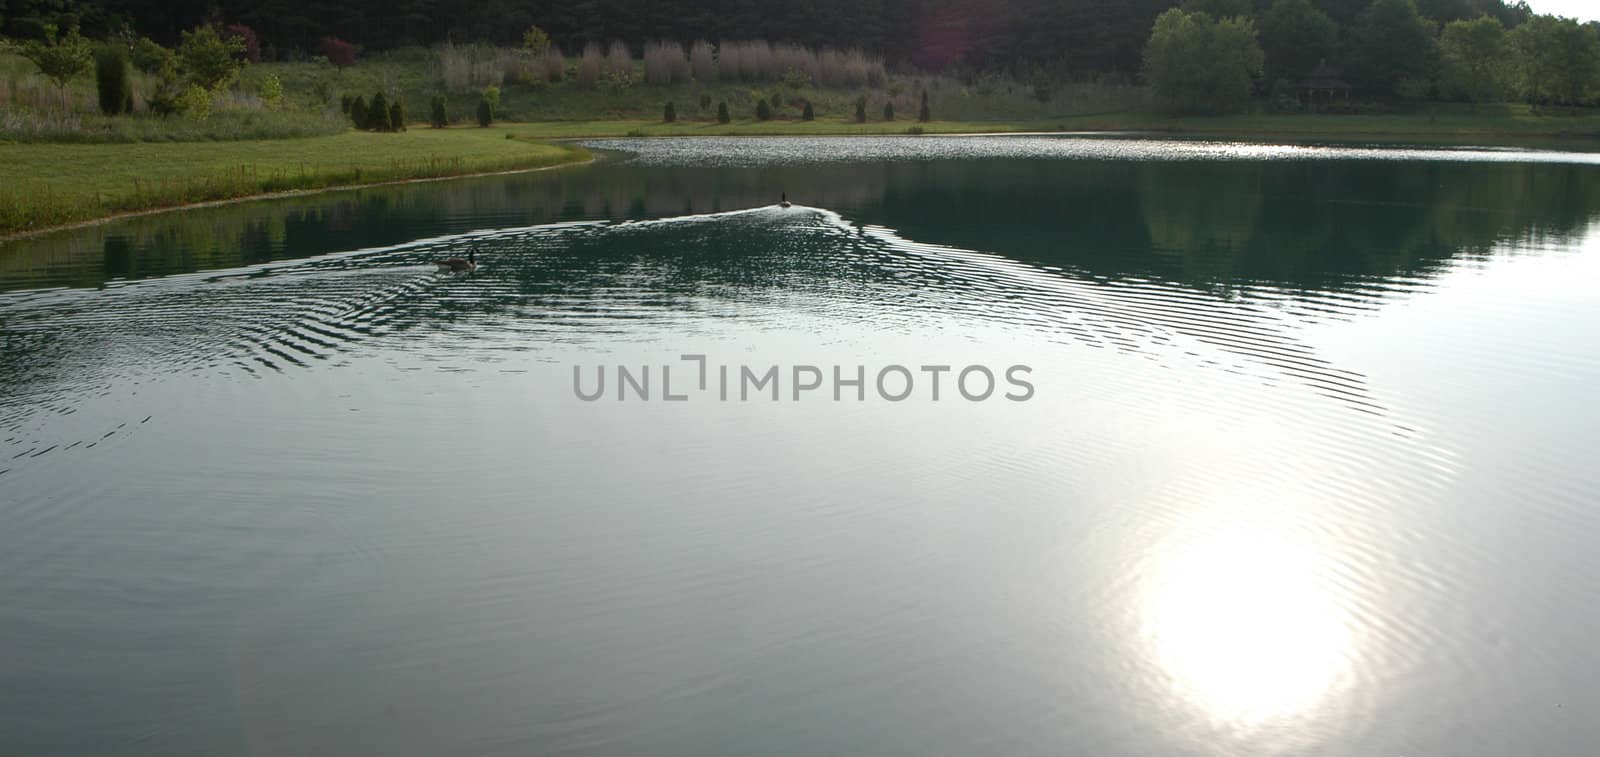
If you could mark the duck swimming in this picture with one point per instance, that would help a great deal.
(456, 265)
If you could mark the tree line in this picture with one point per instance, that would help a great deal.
(1210, 56)
(1470, 50)
(1081, 37)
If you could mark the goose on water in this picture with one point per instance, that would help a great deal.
(470, 263)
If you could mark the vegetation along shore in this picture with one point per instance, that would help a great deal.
(104, 113)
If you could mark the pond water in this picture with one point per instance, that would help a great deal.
(1304, 465)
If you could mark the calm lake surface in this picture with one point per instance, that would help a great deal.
(1309, 465)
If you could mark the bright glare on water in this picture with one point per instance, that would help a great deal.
(1307, 468)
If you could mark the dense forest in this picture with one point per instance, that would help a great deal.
(1072, 37)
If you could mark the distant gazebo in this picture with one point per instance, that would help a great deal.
(1323, 85)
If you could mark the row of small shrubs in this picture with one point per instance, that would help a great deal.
(377, 115)
(764, 110)
(439, 116)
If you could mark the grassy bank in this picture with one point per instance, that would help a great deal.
(43, 185)
(1510, 125)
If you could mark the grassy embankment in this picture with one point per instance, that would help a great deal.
(1502, 125)
(43, 185)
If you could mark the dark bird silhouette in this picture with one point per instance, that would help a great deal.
(455, 265)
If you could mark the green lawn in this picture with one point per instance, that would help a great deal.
(45, 185)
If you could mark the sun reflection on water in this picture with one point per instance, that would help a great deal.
(1244, 627)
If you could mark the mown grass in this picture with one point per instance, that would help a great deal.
(43, 185)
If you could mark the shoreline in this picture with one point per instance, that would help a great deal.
(561, 132)
(13, 236)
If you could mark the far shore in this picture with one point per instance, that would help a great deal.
(116, 181)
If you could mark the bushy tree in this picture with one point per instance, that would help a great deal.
(195, 102)
(1296, 36)
(247, 37)
(1578, 55)
(358, 112)
(1200, 65)
(1392, 49)
(397, 117)
(535, 41)
(272, 91)
(436, 113)
(763, 110)
(378, 113)
(150, 57)
(208, 58)
(861, 109)
(1474, 59)
(924, 114)
(338, 52)
(670, 113)
(111, 80)
(485, 114)
(808, 114)
(722, 112)
(888, 111)
(60, 58)
(1557, 60)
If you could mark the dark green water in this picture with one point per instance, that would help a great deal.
(1307, 467)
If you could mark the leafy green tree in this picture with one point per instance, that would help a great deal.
(151, 58)
(208, 58)
(1556, 60)
(924, 115)
(111, 80)
(1392, 48)
(1296, 37)
(272, 91)
(808, 114)
(1200, 65)
(722, 112)
(535, 41)
(397, 116)
(888, 111)
(763, 110)
(60, 58)
(861, 109)
(1578, 56)
(1474, 58)
(485, 114)
(195, 102)
(670, 113)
